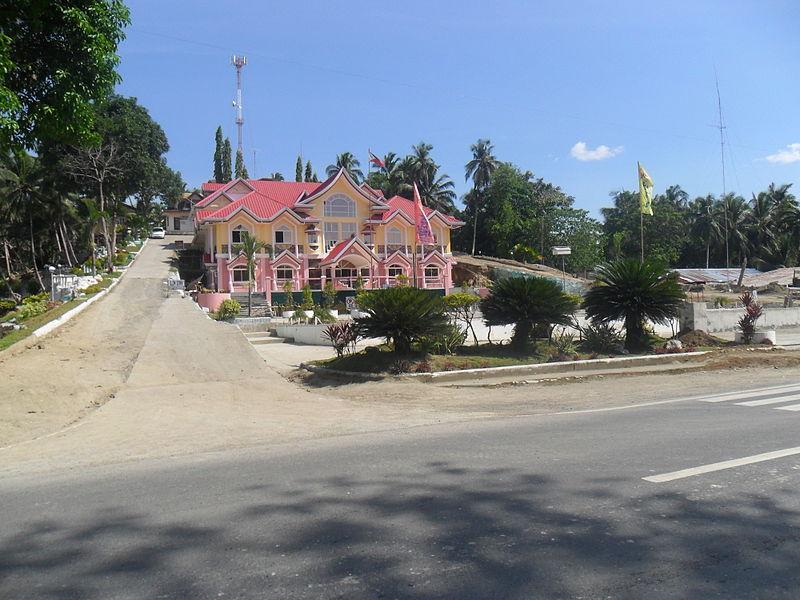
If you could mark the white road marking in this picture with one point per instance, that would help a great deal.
(793, 407)
(765, 401)
(776, 389)
(719, 466)
(750, 394)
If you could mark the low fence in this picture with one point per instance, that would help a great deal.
(697, 315)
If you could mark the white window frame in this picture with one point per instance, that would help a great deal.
(395, 230)
(238, 230)
(393, 268)
(340, 205)
(332, 231)
(287, 234)
(349, 229)
(434, 271)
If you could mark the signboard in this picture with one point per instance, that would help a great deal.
(561, 250)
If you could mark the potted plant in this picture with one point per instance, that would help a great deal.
(288, 307)
(747, 333)
(329, 299)
(308, 302)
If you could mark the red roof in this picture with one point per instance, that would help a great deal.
(270, 197)
(335, 250)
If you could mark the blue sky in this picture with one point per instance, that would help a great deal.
(576, 92)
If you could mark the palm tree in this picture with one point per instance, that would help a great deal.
(437, 193)
(249, 247)
(527, 303)
(635, 292)
(349, 163)
(22, 181)
(480, 169)
(275, 176)
(92, 221)
(705, 225)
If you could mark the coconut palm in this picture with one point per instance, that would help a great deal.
(349, 163)
(480, 169)
(276, 176)
(436, 192)
(705, 225)
(249, 247)
(527, 303)
(21, 185)
(634, 292)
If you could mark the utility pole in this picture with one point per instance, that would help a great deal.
(238, 62)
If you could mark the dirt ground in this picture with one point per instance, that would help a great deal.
(138, 376)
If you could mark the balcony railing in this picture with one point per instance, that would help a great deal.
(278, 248)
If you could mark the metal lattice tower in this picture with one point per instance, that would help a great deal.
(239, 62)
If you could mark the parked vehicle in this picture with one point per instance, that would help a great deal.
(158, 233)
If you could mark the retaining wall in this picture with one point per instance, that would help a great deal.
(697, 315)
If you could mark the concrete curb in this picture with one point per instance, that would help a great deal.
(595, 364)
(51, 326)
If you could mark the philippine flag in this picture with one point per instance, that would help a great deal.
(376, 161)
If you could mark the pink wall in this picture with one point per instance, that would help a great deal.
(212, 300)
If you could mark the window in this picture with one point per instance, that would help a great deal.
(431, 271)
(340, 206)
(284, 273)
(394, 236)
(313, 238)
(240, 275)
(331, 233)
(283, 235)
(349, 230)
(395, 270)
(237, 233)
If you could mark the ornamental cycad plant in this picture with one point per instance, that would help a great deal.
(402, 315)
(633, 292)
(526, 303)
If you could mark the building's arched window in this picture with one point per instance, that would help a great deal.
(346, 269)
(284, 273)
(237, 234)
(340, 206)
(283, 235)
(240, 275)
(395, 270)
(431, 271)
(394, 235)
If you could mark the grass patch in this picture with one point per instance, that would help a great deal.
(33, 323)
(381, 359)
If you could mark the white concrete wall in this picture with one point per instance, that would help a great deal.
(726, 319)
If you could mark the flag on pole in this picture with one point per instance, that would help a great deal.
(374, 160)
(423, 226)
(645, 191)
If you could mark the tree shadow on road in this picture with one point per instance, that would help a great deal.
(436, 530)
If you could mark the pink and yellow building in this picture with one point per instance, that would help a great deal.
(336, 231)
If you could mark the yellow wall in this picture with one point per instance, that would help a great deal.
(264, 231)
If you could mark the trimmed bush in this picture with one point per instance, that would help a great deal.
(228, 310)
(31, 309)
(6, 306)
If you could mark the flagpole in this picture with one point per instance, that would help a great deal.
(641, 232)
(416, 234)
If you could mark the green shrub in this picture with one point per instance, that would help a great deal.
(40, 297)
(564, 343)
(324, 315)
(328, 295)
(228, 310)
(402, 315)
(602, 338)
(6, 306)
(121, 259)
(447, 341)
(308, 298)
(31, 309)
(94, 288)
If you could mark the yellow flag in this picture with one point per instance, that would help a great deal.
(645, 191)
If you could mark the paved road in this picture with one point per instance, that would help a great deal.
(543, 507)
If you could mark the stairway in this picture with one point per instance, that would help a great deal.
(260, 306)
(264, 337)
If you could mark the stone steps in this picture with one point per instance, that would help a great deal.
(264, 337)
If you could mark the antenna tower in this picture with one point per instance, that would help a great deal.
(720, 125)
(238, 62)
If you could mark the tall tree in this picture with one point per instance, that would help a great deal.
(307, 176)
(298, 169)
(705, 226)
(276, 176)
(240, 168)
(226, 161)
(480, 169)
(57, 60)
(219, 144)
(348, 162)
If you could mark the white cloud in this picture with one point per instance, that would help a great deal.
(581, 152)
(784, 157)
